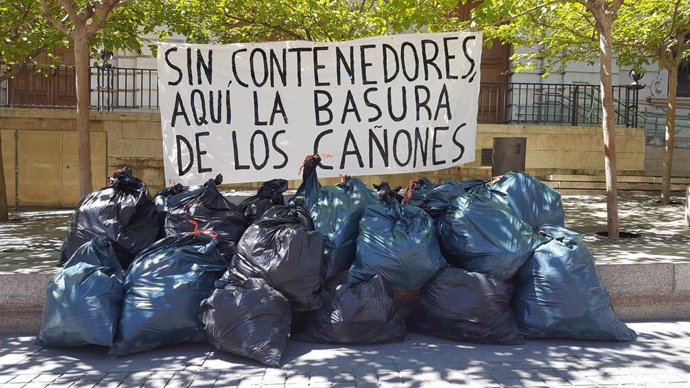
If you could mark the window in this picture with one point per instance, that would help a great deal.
(684, 79)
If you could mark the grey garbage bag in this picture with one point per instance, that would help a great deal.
(163, 289)
(362, 313)
(532, 200)
(84, 299)
(398, 242)
(336, 211)
(559, 295)
(246, 317)
(481, 234)
(466, 306)
(285, 252)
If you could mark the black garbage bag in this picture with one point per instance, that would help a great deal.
(336, 211)
(296, 213)
(163, 289)
(531, 199)
(84, 298)
(268, 195)
(362, 313)
(397, 242)
(466, 306)
(310, 188)
(483, 235)
(123, 212)
(212, 211)
(417, 191)
(437, 200)
(175, 194)
(287, 254)
(559, 295)
(246, 317)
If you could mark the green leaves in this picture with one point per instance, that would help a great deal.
(230, 21)
(557, 32)
(26, 35)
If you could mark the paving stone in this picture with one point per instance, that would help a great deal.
(23, 379)
(60, 385)
(109, 384)
(35, 385)
(84, 384)
(45, 378)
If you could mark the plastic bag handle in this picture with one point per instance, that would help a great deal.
(408, 193)
(311, 157)
(198, 231)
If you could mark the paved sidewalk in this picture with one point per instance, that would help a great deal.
(659, 358)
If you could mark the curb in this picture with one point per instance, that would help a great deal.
(639, 292)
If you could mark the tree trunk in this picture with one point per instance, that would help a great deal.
(670, 135)
(82, 68)
(609, 129)
(4, 216)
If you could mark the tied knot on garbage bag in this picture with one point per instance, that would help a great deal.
(196, 232)
(269, 194)
(386, 193)
(409, 192)
(124, 181)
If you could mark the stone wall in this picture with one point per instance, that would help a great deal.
(41, 144)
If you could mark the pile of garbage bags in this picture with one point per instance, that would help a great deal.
(487, 262)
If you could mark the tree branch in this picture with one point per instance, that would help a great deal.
(101, 13)
(675, 17)
(49, 17)
(523, 13)
(68, 5)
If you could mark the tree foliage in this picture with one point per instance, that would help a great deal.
(552, 33)
(231, 21)
(653, 31)
(24, 36)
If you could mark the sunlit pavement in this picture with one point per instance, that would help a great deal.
(659, 358)
(663, 234)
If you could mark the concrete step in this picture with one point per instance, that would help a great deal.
(596, 184)
(621, 179)
(581, 185)
(644, 291)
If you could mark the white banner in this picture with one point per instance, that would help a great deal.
(383, 105)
